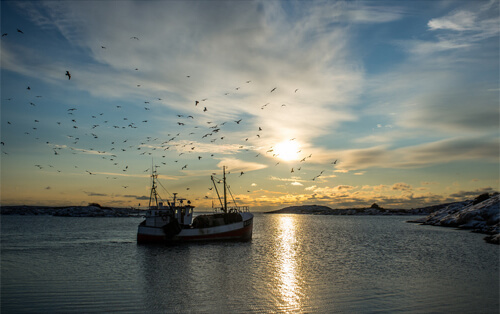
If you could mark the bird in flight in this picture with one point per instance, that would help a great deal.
(4, 34)
(272, 90)
(68, 75)
(20, 31)
(238, 122)
(134, 38)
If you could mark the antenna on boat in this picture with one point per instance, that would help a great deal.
(225, 190)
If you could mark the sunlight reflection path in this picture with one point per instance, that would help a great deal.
(287, 277)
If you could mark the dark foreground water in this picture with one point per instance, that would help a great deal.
(295, 263)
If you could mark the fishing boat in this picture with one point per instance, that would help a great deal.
(173, 220)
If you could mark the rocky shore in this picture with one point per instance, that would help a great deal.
(71, 211)
(481, 217)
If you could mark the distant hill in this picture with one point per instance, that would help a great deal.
(373, 210)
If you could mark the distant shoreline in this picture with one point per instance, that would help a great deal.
(71, 211)
(374, 210)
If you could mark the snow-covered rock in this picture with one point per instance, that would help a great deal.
(483, 217)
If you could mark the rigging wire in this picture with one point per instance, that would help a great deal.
(230, 193)
(164, 188)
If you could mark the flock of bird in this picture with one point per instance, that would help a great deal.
(77, 124)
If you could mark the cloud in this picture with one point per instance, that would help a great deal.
(295, 183)
(310, 188)
(95, 194)
(140, 198)
(472, 194)
(457, 21)
(422, 155)
(246, 43)
(401, 187)
(293, 179)
(467, 109)
(234, 164)
(461, 28)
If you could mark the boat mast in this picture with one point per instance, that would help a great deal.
(225, 192)
(153, 190)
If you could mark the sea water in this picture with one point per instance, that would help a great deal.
(294, 263)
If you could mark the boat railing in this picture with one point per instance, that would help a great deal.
(237, 209)
(243, 209)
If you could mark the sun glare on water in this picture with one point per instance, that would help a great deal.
(287, 150)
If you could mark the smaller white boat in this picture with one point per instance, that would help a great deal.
(172, 221)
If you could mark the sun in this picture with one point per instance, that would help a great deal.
(287, 150)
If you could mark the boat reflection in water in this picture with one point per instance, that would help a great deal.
(287, 279)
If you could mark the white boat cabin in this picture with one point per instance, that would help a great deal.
(158, 216)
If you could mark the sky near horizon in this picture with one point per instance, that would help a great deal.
(336, 103)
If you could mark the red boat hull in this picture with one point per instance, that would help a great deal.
(238, 232)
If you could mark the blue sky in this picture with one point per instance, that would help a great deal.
(402, 94)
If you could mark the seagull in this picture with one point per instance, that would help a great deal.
(134, 38)
(20, 31)
(242, 173)
(204, 109)
(4, 34)
(238, 122)
(196, 103)
(272, 90)
(68, 75)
